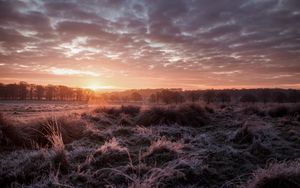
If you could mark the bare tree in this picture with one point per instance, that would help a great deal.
(209, 96)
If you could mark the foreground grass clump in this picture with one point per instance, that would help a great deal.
(277, 175)
(162, 151)
(38, 132)
(250, 110)
(284, 110)
(185, 115)
(111, 153)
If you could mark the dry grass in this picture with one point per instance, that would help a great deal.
(74, 151)
(116, 111)
(37, 132)
(185, 115)
(250, 110)
(276, 175)
(162, 151)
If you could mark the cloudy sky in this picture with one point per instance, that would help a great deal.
(192, 44)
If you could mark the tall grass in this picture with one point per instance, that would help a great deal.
(276, 175)
(37, 132)
(185, 115)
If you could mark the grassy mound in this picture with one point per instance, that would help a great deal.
(278, 175)
(185, 115)
(162, 151)
(251, 110)
(39, 132)
(116, 111)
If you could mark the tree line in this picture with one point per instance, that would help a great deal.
(175, 96)
(25, 91)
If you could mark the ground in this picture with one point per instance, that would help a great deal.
(188, 145)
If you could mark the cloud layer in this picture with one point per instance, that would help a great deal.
(134, 43)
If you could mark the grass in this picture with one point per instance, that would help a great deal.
(184, 115)
(276, 175)
(37, 132)
(116, 111)
(178, 146)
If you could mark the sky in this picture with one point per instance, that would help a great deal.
(122, 44)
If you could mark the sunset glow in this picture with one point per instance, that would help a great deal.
(99, 88)
(151, 44)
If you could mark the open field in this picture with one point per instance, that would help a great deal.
(186, 145)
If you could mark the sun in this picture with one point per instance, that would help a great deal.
(97, 87)
(93, 87)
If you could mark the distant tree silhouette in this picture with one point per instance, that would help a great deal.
(280, 97)
(153, 98)
(125, 98)
(223, 97)
(209, 96)
(25, 91)
(264, 95)
(248, 97)
(30, 91)
(39, 92)
(135, 96)
(114, 98)
(193, 96)
(293, 96)
(50, 92)
(79, 94)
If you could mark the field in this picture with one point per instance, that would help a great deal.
(186, 145)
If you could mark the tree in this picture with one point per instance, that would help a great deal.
(152, 98)
(177, 97)
(280, 97)
(265, 95)
(40, 92)
(23, 90)
(209, 96)
(293, 96)
(223, 97)
(166, 96)
(135, 96)
(193, 96)
(79, 94)
(50, 92)
(248, 97)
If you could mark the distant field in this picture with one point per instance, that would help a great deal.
(32, 109)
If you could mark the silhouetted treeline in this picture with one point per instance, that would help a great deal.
(175, 96)
(25, 91)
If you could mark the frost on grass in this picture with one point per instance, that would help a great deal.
(110, 154)
(162, 151)
(277, 175)
(184, 115)
(176, 146)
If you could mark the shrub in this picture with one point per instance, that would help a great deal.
(185, 115)
(114, 111)
(279, 111)
(250, 110)
(277, 175)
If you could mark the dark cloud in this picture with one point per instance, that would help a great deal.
(214, 38)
